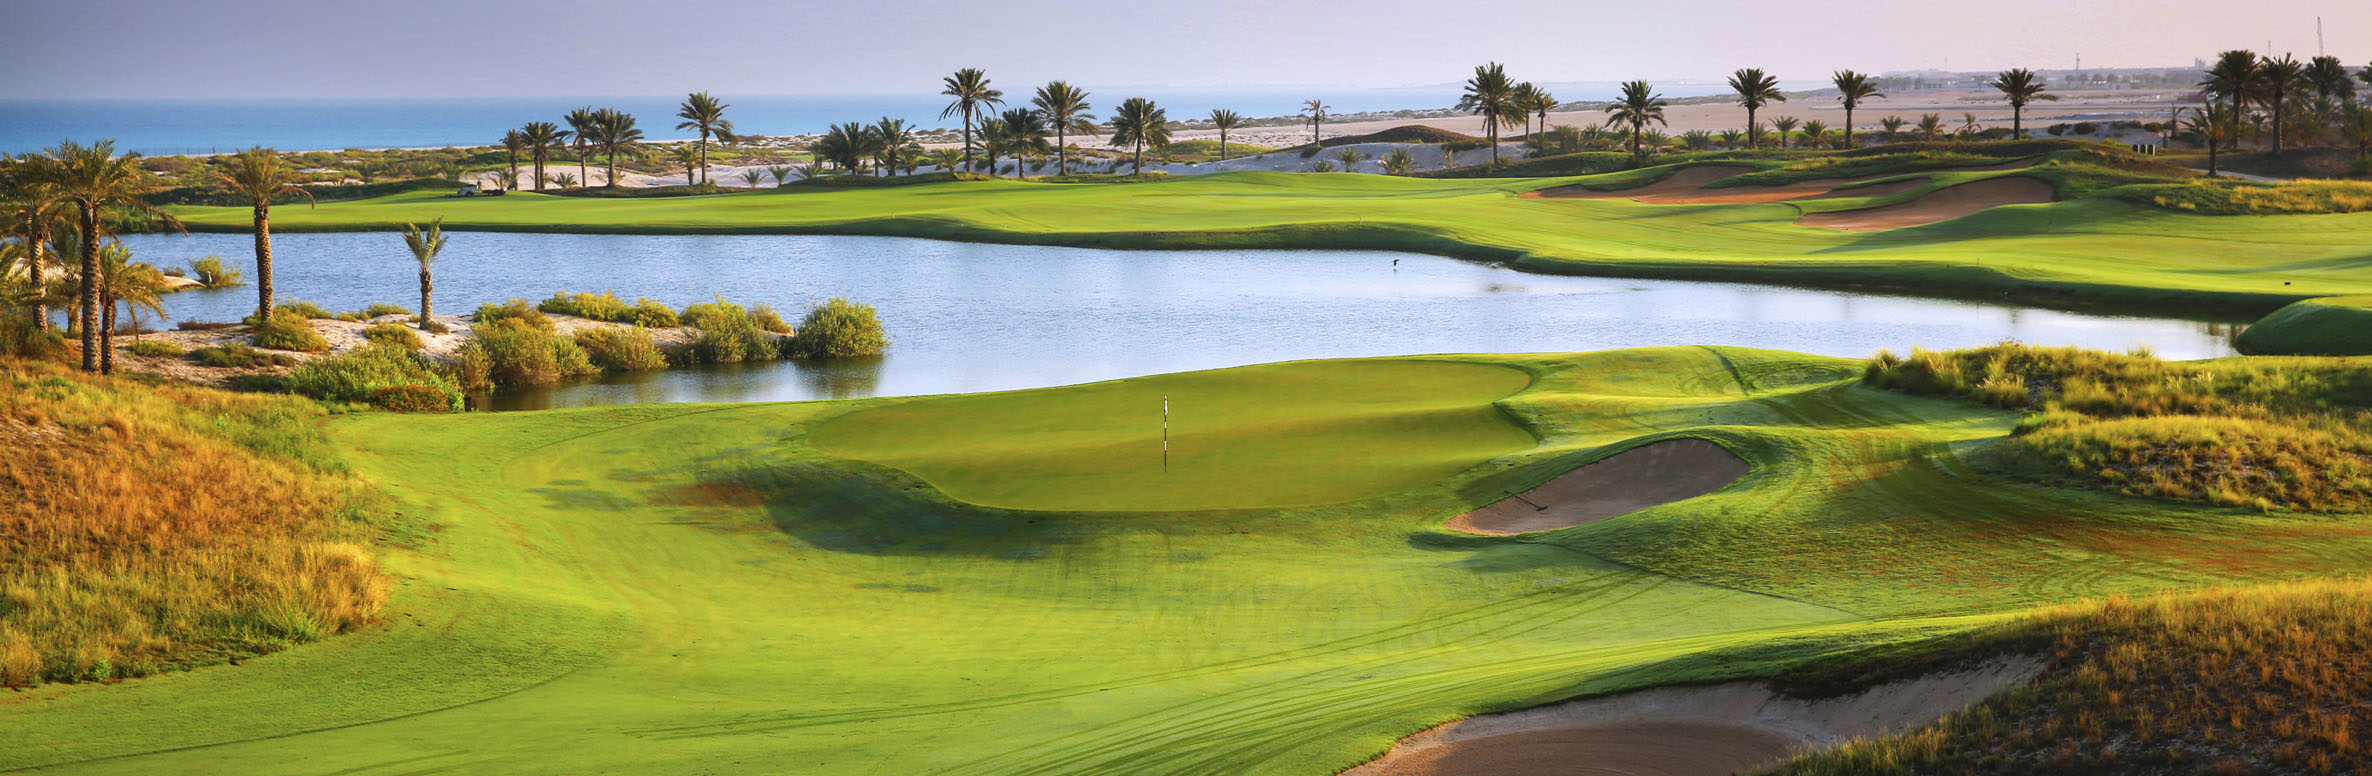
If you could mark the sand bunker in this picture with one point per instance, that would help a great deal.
(1634, 479)
(1938, 206)
(1712, 730)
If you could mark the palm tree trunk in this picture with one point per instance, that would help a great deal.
(1139, 169)
(1491, 131)
(1062, 149)
(967, 136)
(1848, 127)
(2277, 141)
(584, 177)
(610, 159)
(539, 169)
(427, 310)
(2017, 121)
(106, 332)
(1750, 131)
(263, 261)
(1222, 145)
(703, 154)
(89, 301)
(36, 233)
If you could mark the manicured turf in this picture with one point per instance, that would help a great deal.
(2336, 326)
(2088, 251)
(1269, 436)
(700, 588)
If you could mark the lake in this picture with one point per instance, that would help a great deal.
(966, 317)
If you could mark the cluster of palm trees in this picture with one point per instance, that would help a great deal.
(1057, 110)
(64, 202)
(2303, 101)
(1503, 102)
(609, 131)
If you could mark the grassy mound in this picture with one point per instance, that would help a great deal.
(1409, 133)
(2253, 680)
(155, 527)
(2330, 326)
(2255, 433)
(1269, 436)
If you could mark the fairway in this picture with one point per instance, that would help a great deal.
(712, 588)
(1267, 436)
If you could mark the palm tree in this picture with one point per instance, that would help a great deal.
(2356, 125)
(1140, 123)
(1730, 138)
(1316, 110)
(1756, 89)
(2213, 124)
(615, 133)
(2234, 77)
(1638, 105)
(513, 142)
(1400, 162)
(909, 158)
(1350, 158)
(2020, 86)
(133, 284)
(2279, 78)
(1893, 126)
(688, 156)
(1815, 133)
(1492, 96)
(1969, 126)
(753, 176)
(947, 159)
(892, 136)
(781, 173)
(425, 245)
(1225, 120)
(542, 137)
(28, 186)
(846, 145)
(260, 175)
(2330, 79)
(969, 87)
(581, 126)
(564, 180)
(1931, 125)
(1020, 132)
(1784, 126)
(1852, 88)
(1064, 106)
(1521, 100)
(93, 178)
(703, 114)
(1542, 103)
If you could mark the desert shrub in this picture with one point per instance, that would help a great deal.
(653, 315)
(165, 522)
(212, 273)
(305, 310)
(382, 309)
(395, 334)
(435, 327)
(19, 338)
(2252, 198)
(511, 351)
(729, 334)
(709, 315)
(154, 348)
(622, 349)
(599, 307)
(768, 320)
(353, 317)
(238, 356)
(205, 326)
(513, 310)
(418, 397)
(354, 375)
(839, 328)
(289, 332)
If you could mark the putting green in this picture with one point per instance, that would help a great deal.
(702, 589)
(1268, 436)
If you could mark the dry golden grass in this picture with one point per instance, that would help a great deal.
(2291, 433)
(2297, 196)
(2274, 679)
(149, 527)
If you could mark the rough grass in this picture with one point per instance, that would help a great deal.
(2262, 433)
(356, 375)
(2224, 197)
(2255, 680)
(156, 527)
(2330, 326)
(289, 331)
(621, 349)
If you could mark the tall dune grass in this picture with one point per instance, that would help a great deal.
(153, 527)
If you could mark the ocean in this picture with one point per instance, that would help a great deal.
(211, 126)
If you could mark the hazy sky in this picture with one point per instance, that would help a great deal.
(467, 48)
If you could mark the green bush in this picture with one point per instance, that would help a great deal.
(765, 318)
(622, 349)
(384, 309)
(511, 351)
(305, 309)
(286, 331)
(419, 397)
(653, 315)
(237, 356)
(356, 374)
(435, 327)
(395, 334)
(709, 315)
(837, 329)
(603, 306)
(19, 338)
(211, 273)
(154, 348)
(513, 310)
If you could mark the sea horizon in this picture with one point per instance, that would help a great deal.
(197, 125)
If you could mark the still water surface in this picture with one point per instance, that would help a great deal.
(968, 317)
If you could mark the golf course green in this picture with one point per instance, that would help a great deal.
(1008, 584)
(2087, 249)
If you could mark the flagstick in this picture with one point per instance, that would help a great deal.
(1165, 433)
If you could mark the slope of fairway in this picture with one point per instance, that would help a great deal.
(700, 588)
(2087, 251)
(1268, 436)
